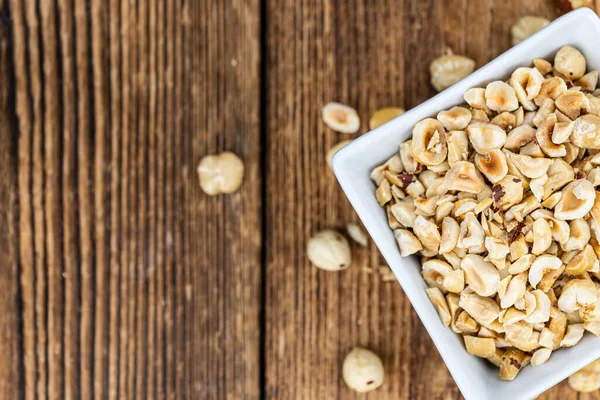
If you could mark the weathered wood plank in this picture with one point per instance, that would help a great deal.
(369, 55)
(121, 279)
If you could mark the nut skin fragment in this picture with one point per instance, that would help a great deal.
(221, 173)
(329, 250)
(480, 347)
(341, 118)
(513, 361)
(363, 370)
(570, 62)
(384, 115)
(446, 70)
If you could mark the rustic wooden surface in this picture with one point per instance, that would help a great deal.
(120, 278)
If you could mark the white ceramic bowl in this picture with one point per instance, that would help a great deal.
(476, 378)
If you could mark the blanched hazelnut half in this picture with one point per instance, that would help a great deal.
(463, 176)
(493, 165)
(471, 233)
(579, 236)
(570, 62)
(577, 200)
(362, 370)
(586, 132)
(507, 192)
(458, 146)
(527, 26)
(480, 347)
(576, 294)
(393, 164)
(482, 309)
(584, 261)
(520, 136)
(542, 236)
(526, 85)
(439, 302)
(559, 174)
(500, 96)
(562, 132)
(411, 165)
(407, 242)
(329, 250)
(481, 276)
(531, 167)
(485, 136)
(455, 119)
(429, 142)
(544, 138)
(542, 265)
(404, 212)
(588, 82)
(446, 70)
(544, 66)
(541, 313)
(515, 288)
(427, 232)
(450, 233)
(475, 97)
(551, 89)
(573, 104)
(584, 381)
(573, 336)
(341, 118)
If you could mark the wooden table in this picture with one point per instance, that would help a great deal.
(120, 278)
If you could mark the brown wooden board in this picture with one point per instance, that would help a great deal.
(368, 54)
(120, 278)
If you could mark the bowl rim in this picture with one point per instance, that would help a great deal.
(345, 156)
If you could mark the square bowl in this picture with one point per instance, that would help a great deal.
(476, 378)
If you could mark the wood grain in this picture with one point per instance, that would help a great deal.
(120, 278)
(368, 55)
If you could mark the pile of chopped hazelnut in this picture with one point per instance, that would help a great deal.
(498, 197)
